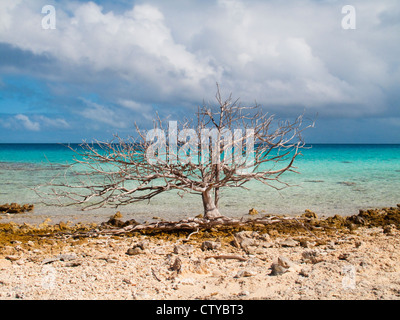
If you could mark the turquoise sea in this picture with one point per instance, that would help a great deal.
(332, 179)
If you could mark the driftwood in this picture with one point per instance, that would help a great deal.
(227, 257)
(155, 275)
(195, 224)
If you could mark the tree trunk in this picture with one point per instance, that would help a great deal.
(216, 190)
(210, 210)
(216, 197)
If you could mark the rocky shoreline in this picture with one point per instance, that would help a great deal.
(335, 258)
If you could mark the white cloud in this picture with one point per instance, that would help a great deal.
(278, 53)
(27, 123)
(58, 123)
(33, 122)
(6, 8)
(133, 105)
(136, 44)
(146, 111)
(102, 114)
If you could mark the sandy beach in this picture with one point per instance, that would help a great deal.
(319, 261)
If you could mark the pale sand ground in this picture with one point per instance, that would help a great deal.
(362, 265)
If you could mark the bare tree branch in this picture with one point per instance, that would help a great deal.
(120, 172)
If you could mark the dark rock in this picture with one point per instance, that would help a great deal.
(182, 249)
(131, 222)
(309, 214)
(60, 257)
(138, 248)
(245, 273)
(245, 240)
(312, 256)
(285, 262)
(49, 260)
(357, 220)
(305, 272)
(142, 244)
(283, 265)
(344, 256)
(390, 230)
(378, 217)
(115, 221)
(289, 242)
(210, 245)
(336, 221)
(118, 215)
(253, 211)
(16, 208)
(134, 251)
(73, 264)
(277, 269)
(177, 265)
(66, 257)
(12, 258)
(304, 243)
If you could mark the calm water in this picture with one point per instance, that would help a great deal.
(333, 179)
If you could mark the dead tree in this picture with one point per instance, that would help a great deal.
(221, 147)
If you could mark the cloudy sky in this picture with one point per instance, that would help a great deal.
(110, 63)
